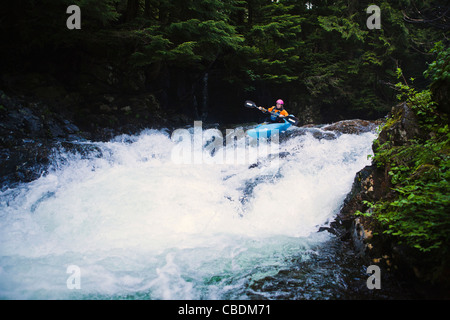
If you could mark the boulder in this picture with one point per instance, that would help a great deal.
(356, 126)
(28, 132)
(401, 127)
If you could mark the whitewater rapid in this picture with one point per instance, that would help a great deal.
(138, 224)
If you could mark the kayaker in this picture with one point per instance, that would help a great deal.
(277, 112)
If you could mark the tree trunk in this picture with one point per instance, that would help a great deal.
(147, 9)
(250, 12)
(132, 9)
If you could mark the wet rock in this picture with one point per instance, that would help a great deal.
(401, 127)
(284, 154)
(334, 130)
(23, 163)
(70, 128)
(316, 132)
(361, 237)
(28, 133)
(33, 123)
(356, 126)
(328, 229)
(55, 130)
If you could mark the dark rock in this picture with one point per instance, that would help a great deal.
(70, 128)
(28, 133)
(328, 229)
(284, 154)
(23, 163)
(401, 127)
(352, 126)
(334, 130)
(314, 131)
(55, 130)
(441, 95)
(254, 165)
(33, 123)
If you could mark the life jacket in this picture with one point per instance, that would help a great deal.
(282, 112)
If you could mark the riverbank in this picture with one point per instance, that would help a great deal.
(399, 148)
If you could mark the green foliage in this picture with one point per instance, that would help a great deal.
(277, 39)
(346, 27)
(418, 211)
(97, 13)
(440, 68)
(421, 102)
(207, 38)
(189, 43)
(314, 52)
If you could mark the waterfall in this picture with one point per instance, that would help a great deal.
(136, 224)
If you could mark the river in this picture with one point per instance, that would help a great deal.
(139, 218)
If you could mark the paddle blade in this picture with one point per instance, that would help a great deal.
(292, 120)
(250, 104)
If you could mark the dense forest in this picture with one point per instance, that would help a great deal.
(201, 59)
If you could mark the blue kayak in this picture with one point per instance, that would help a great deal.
(265, 130)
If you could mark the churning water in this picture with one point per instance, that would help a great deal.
(136, 224)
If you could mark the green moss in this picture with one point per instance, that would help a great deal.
(391, 121)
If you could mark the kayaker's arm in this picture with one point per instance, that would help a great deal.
(283, 114)
(274, 113)
(262, 109)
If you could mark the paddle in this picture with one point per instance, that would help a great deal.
(290, 118)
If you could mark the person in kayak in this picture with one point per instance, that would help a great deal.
(277, 112)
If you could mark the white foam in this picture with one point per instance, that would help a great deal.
(136, 203)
